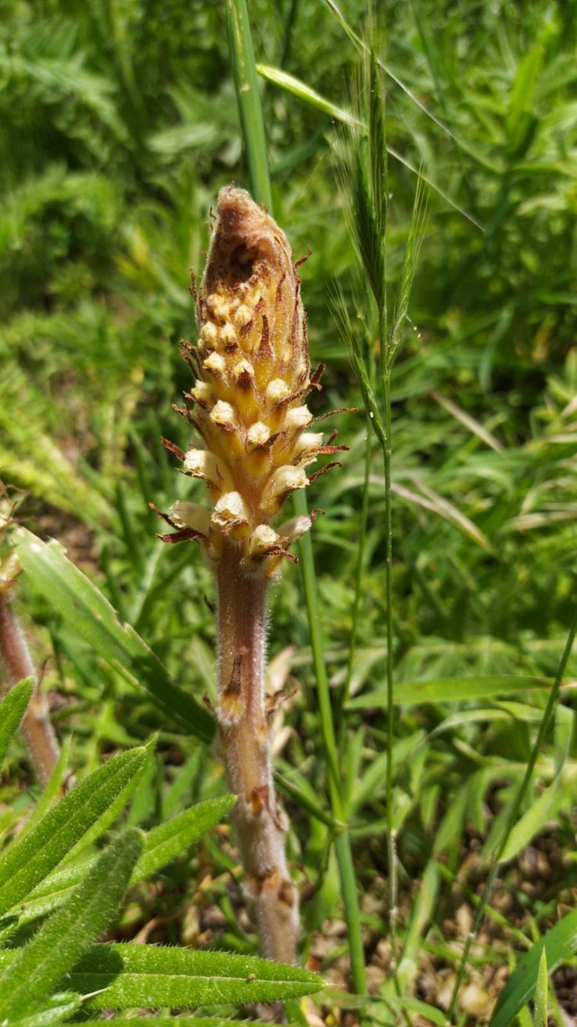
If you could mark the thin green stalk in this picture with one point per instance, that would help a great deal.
(371, 190)
(370, 211)
(253, 132)
(342, 841)
(246, 84)
(391, 834)
(514, 812)
(359, 569)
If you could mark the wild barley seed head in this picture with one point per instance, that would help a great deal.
(252, 377)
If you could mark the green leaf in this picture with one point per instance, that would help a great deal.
(160, 846)
(558, 796)
(113, 811)
(305, 801)
(414, 1005)
(59, 943)
(521, 117)
(420, 917)
(152, 977)
(51, 792)
(165, 842)
(307, 95)
(80, 603)
(33, 855)
(564, 723)
(57, 1010)
(449, 690)
(540, 1018)
(559, 944)
(12, 709)
(189, 1021)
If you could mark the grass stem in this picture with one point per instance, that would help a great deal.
(246, 82)
(253, 132)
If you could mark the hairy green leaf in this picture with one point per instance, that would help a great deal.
(56, 1010)
(33, 855)
(164, 842)
(160, 846)
(12, 709)
(150, 976)
(37, 968)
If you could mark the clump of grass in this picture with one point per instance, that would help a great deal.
(373, 353)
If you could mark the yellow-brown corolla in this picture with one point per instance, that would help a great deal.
(252, 377)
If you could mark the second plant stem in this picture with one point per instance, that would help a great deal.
(37, 731)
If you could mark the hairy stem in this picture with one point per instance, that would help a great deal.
(245, 750)
(37, 731)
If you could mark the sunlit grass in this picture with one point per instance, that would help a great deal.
(115, 139)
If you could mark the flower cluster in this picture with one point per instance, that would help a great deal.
(252, 375)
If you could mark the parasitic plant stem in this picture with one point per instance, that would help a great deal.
(245, 750)
(252, 372)
(15, 659)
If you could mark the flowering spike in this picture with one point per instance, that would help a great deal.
(252, 374)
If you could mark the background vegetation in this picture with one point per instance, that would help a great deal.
(118, 125)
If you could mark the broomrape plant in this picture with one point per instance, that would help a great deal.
(248, 406)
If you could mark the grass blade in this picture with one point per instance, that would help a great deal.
(343, 847)
(449, 690)
(307, 95)
(88, 612)
(559, 944)
(540, 1018)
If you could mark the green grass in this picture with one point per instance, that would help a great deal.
(117, 128)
